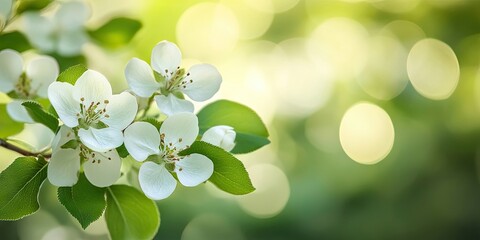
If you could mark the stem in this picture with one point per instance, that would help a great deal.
(150, 101)
(9, 146)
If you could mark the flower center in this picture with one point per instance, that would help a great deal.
(23, 87)
(92, 114)
(92, 156)
(177, 80)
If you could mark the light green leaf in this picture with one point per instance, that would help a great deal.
(229, 173)
(116, 33)
(72, 144)
(84, 201)
(39, 115)
(14, 40)
(20, 183)
(8, 126)
(72, 74)
(129, 214)
(32, 5)
(251, 131)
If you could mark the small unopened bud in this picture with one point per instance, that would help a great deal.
(222, 136)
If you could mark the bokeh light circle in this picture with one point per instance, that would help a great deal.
(271, 194)
(366, 133)
(385, 75)
(272, 6)
(210, 226)
(207, 30)
(341, 43)
(433, 69)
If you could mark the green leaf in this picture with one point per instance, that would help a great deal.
(251, 131)
(14, 40)
(72, 144)
(153, 121)
(8, 126)
(66, 62)
(229, 173)
(129, 214)
(39, 115)
(122, 151)
(20, 183)
(116, 33)
(32, 5)
(72, 74)
(84, 201)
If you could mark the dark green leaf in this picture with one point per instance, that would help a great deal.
(129, 214)
(84, 201)
(39, 115)
(32, 5)
(116, 33)
(229, 173)
(251, 131)
(20, 183)
(14, 40)
(246, 143)
(122, 151)
(72, 74)
(8, 127)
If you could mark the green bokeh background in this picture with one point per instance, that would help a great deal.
(426, 188)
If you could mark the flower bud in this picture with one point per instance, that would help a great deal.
(222, 136)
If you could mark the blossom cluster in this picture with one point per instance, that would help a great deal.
(97, 122)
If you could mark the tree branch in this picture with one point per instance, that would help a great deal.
(9, 146)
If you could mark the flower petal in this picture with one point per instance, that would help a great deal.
(63, 167)
(60, 95)
(18, 112)
(11, 67)
(72, 15)
(36, 137)
(170, 104)
(92, 86)
(101, 140)
(42, 71)
(180, 130)
(140, 78)
(121, 109)
(142, 140)
(166, 58)
(156, 182)
(64, 135)
(222, 136)
(40, 31)
(203, 82)
(103, 169)
(193, 169)
(70, 43)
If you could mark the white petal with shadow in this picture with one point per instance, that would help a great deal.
(156, 181)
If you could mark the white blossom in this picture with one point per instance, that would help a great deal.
(102, 169)
(26, 83)
(90, 106)
(64, 33)
(221, 136)
(199, 83)
(160, 151)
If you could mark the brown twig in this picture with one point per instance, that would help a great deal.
(9, 146)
